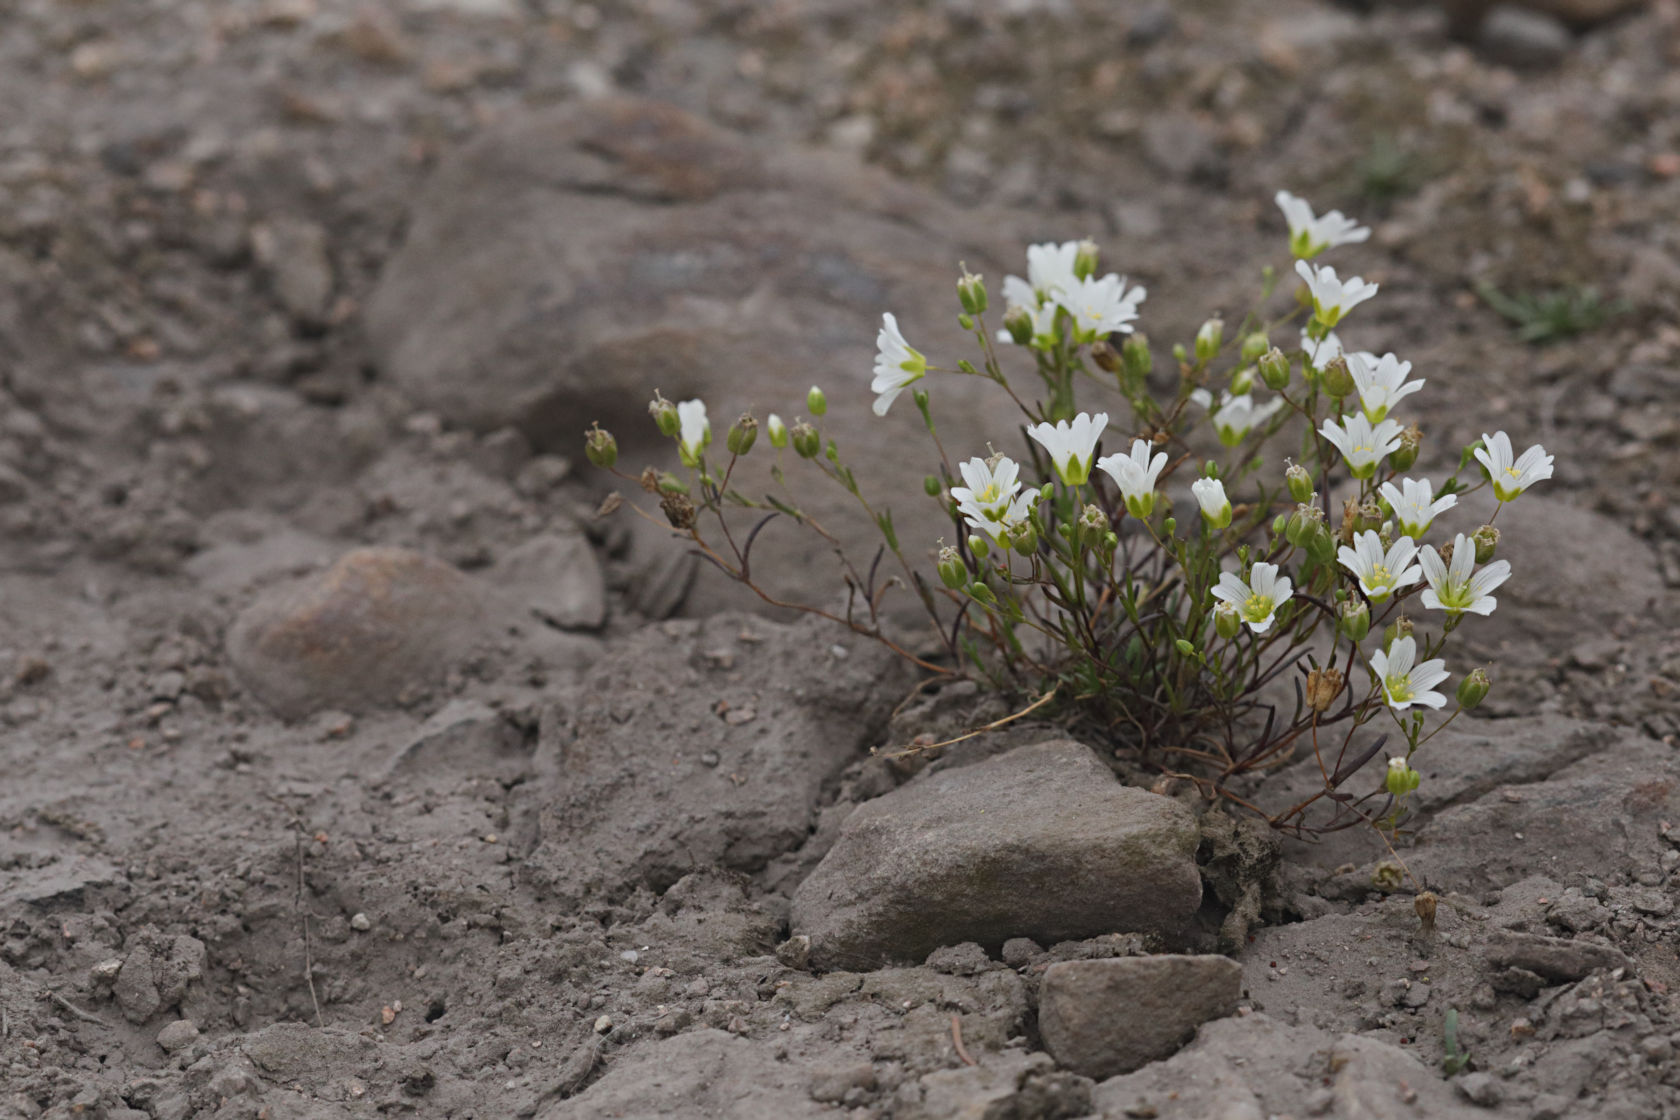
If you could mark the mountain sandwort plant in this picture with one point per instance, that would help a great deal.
(1069, 576)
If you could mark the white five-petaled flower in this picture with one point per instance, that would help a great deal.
(1071, 446)
(1050, 268)
(1322, 352)
(694, 433)
(1380, 574)
(1415, 504)
(1333, 297)
(1210, 495)
(1361, 443)
(1101, 307)
(1258, 599)
(1381, 382)
(897, 365)
(999, 528)
(1135, 474)
(1458, 588)
(991, 486)
(1310, 236)
(1509, 477)
(1235, 417)
(1404, 682)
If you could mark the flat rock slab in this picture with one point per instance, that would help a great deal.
(379, 621)
(1041, 842)
(704, 744)
(1105, 1017)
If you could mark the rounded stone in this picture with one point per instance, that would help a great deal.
(1106, 1017)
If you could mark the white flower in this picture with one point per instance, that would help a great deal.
(1455, 589)
(990, 488)
(1332, 297)
(1362, 444)
(1324, 351)
(694, 433)
(1018, 293)
(1258, 599)
(1415, 504)
(1003, 527)
(1101, 307)
(1072, 446)
(1210, 495)
(1135, 474)
(1236, 416)
(1310, 236)
(1381, 382)
(897, 365)
(1050, 268)
(1380, 575)
(1512, 478)
(1405, 683)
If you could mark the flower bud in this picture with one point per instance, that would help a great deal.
(1338, 380)
(1093, 526)
(1323, 686)
(816, 402)
(1486, 540)
(1106, 356)
(953, 573)
(1242, 381)
(1254, 345)
(741, 435)
(1300, 483)
(1353, 618)
(1184, 647)
(1274, 369)
(1209, 338)
(600, 447)
(1305, 518)
(1402, 457)
(983, 593)
(1401, 779)
(1085, 260)
(1169, 527)
(1210, 496)
(1320, 543)
(805, 440)
(1227, 623)
(664, 414)
(1018, 321)
(932, 486)
(777, 431)
(1023, 538)
(1473, 689)
(1134, 353)
(971, 293)
(977, 545)
(1399, 628)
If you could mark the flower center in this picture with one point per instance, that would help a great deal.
(1399, 689)
(1257, 607)
(1381, 576)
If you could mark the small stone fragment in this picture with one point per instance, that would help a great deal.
(1481, 1089)
(177, 1035)
(1100, 1018)
(360, 923)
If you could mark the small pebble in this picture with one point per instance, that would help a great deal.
(360, 923)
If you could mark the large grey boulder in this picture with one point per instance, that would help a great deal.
(1041, 842)
(1103, 1017)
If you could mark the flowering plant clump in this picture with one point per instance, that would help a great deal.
(1143, 565)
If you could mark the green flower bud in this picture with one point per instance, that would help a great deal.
(1300, 483)
(971, 293)
(777, 430)
(1169, 527)
(664, 414)
(816, 402)
(965, 321)
(1180, 354)
(1274, 369)
(1473, 689)
(1242, 381)
(1306, 517)
(1486, 540)
(1134, 353)
(1401, 779)
(932, 486)
(1227, 623)
(1184, 647)
(1279, 523)
(977, 545)
(600, 447)
(983, 593)
(1093, 526)
(953, 573)
(1018, 321)
(1338, 380)
(1320, 544)
(1402, 457)
(671, 484)
(742, 435)
(1085, 260)
(1209, 338)
(1399, 628)
(1254, 346)
(1353, 619)
(805, 440)
(1024, 539)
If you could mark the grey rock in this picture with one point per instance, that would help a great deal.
(1005, 1085)
(136, 988)
(967, 959)
(831, 1085)
(701, 1073)
(1521, 37)
(296, 1052)
(178, 1035)
(1105, 1017)
(294, 255)
(1480, 1088)
(1040, 842)
(1558, 959)
(465, 738)
(378, 622)
(557, 578)
(628, 795)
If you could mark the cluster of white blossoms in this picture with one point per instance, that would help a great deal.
(1060, 278)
